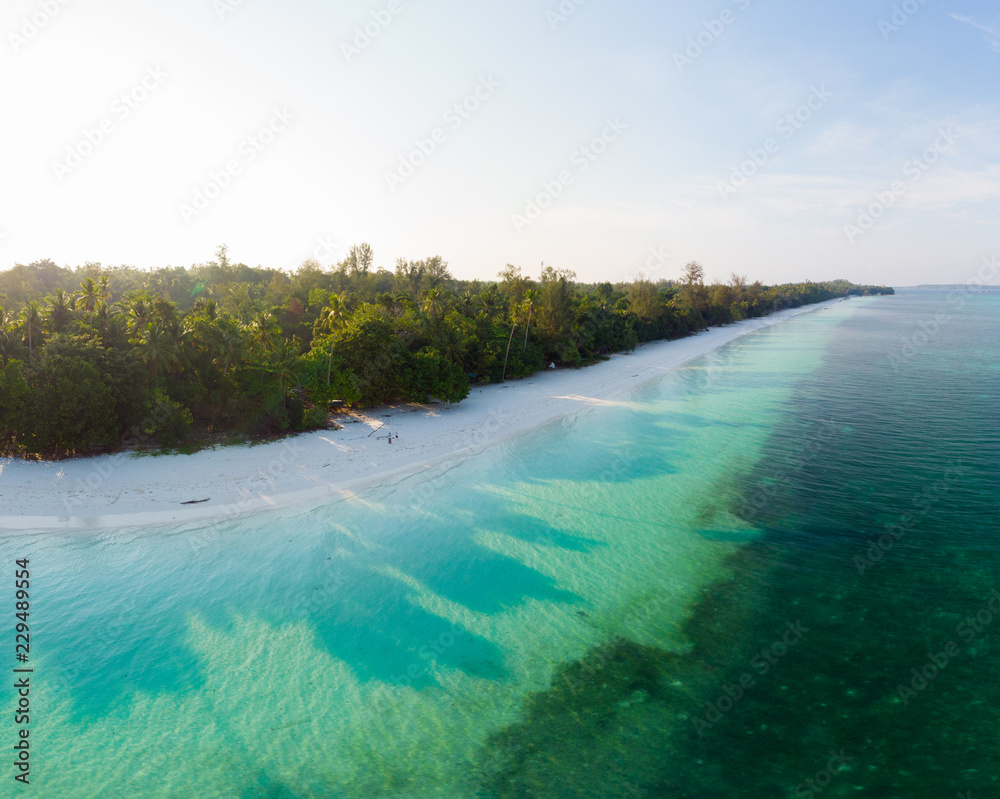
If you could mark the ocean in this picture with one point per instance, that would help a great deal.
(774, 572)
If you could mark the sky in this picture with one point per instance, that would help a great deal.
(783, 141)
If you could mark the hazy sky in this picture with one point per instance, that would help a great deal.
(783, 140)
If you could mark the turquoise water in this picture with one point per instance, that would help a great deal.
(553, 616)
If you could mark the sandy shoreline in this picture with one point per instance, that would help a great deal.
(123, 491)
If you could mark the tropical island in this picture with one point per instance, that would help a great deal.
(94, 359)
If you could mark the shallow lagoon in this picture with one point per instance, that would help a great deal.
(546, 618)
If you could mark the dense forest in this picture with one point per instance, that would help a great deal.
(97, 358)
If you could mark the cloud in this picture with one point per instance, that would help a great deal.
(942, 189)
(951, 188)
(844, 136)
(993, 33)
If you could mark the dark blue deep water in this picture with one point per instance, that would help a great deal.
(856, 650)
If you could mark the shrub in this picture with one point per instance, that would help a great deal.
(430, 375)
(69, 408)
(315, 418)
(173, 421)
(296, 411)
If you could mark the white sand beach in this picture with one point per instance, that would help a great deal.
(124, 490)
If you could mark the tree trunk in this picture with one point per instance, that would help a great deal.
(329, 363)
(503, 376)
(526, 329)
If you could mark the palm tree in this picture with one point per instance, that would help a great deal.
(208, 307)
(229, 345)
(104, 316)
(468, 301)
(529, 303)
(60, 311)
(513, 318)
(284, 364)
(434, 304)
(10, 342)
(488, 299)
(114, 329)
(403, 299)
(31, 318)
(155, 349)
(451, 342)
(179, 337)
(90, 296)
(265, 329)
(104, 288)
(332, 318)
(140, 311)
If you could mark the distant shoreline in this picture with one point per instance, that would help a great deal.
(121, 490)
(963, 287)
